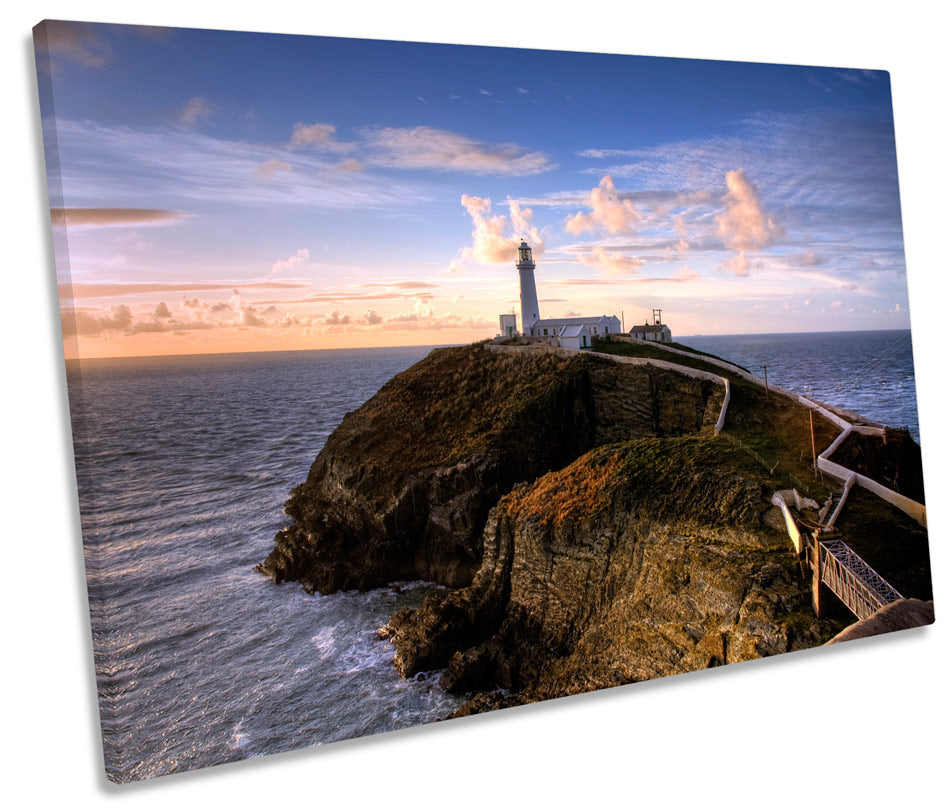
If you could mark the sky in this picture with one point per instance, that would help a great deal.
(218, 191)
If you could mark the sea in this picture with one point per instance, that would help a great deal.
(184, 464)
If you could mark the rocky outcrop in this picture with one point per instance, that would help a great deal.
(639, 560)
(593, 527)
(404, 485)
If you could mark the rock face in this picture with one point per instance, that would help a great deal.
(404, 485)
(640, 560)
(596, 531)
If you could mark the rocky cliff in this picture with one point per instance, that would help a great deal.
(596, 531)
(404, 485)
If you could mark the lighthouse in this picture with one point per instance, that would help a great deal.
(530, 312)
(572, 332)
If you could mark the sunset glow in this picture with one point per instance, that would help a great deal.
(228, 192)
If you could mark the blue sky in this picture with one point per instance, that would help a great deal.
(318, 192)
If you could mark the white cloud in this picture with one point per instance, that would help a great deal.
(119, 163)
(283, 266)
(491, 242)
(445, 151)
(613, 263)
(609, 212)
(744, 225)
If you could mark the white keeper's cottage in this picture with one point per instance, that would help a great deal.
(576, 332)
(652, 332)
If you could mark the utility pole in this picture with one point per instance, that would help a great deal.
(765, 370)
(623, 324)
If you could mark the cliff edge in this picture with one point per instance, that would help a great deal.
(593, 527)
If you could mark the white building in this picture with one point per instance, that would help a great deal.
(652, 332)
(576, 337)
(576, 332)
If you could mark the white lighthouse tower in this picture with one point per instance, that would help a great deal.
(530, 312)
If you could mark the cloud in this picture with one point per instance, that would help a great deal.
(116, 162)
(490, 244)
(92, 290)
(194, 110)
(456, 266)
(246, 315)
(283, 266)
(612, 263)
(316, 135)
(445, 151)
(350, 165)
(336, 317)
(809, 259)
(269, 169)
(685, 273)
(609, 212)
(738, 265)
(836, 304)
(162, 311)
(521, 90)
(79, 322)
(104, 218)
(744, 225)
(371, 317)
(76, 42)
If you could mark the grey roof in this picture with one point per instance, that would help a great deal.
(649, 328)
(574, 330)
(571, 320)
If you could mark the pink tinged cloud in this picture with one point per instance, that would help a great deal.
(336, 317)
(608, 212)
(744, 225)
(89, 290)
(269, 169)
(492, 243)
(445, 151)
(305, 135)
(615, 264)
(350, 165)
(105, 218)
(194, 110)
(78, 42)
(283, 266)
(79, 322)
(738, 265)
(162, 311)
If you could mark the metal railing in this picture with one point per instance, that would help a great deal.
(853, 580)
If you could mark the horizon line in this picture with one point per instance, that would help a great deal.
(81, 358)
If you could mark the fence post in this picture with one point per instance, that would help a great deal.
(816, 576)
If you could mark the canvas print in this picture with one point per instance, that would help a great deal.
(414, 381)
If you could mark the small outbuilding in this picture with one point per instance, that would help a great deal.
(652, 332)
(576, 337)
